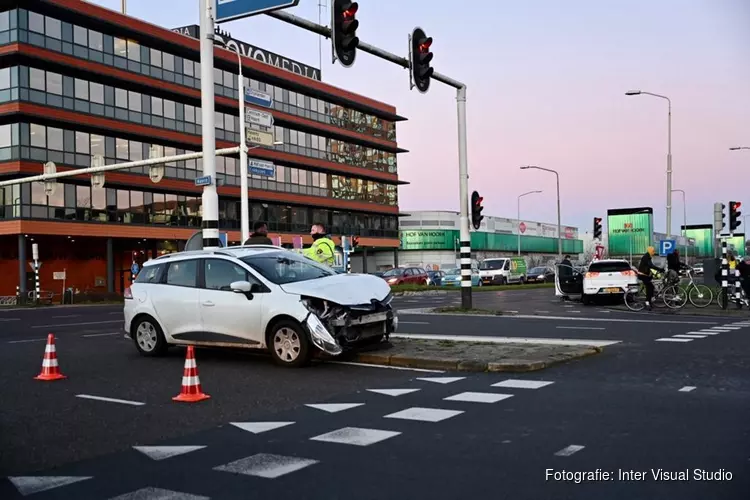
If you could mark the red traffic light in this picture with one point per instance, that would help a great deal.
(351, 11)
(597, 220)
(736, 205)
(479, 200)
(424, 47)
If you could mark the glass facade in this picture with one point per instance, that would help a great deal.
(128, 55)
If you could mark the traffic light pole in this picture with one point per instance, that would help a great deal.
(463, 168)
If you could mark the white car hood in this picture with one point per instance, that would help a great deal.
(343, 289)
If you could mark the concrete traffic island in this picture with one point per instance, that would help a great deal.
(472, 356)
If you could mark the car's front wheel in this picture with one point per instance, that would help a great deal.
(289, 344)
(148, 336)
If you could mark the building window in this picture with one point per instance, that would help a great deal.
(54, 83)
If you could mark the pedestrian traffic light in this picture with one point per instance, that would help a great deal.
(355, 241)
(419, 59)
(476, 210)
(734, 215)
(344, 31)
(719, 215)
(597, 228)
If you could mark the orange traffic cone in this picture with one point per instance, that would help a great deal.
(50, 368)
(191, 384)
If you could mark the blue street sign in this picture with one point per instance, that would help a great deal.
(258, 167)
(223, 239)
(667, 246)
(227, 10)
(134, 268)
(203, 181)
(258, 98)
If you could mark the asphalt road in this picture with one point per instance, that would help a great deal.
(640, 405)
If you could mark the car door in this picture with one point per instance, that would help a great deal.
(568, 280)
(228, 316)
(175, 299)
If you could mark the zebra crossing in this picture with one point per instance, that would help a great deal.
(705, 333)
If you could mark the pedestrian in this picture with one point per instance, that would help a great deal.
(260, 235)
(645, 267)
(322, 249)
(674, 266)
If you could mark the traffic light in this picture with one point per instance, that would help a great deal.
(719, 215)
(355, 241)
(476, 210)
(597, 228)
(734, 215)
(344, 31)
(419, 59)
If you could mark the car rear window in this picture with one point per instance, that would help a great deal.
(609, 267)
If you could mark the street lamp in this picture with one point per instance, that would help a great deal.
(518, 221)
(738, 148)
(669, 153)
(559, 228)
(684, 215)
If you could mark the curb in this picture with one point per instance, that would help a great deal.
(470, 365)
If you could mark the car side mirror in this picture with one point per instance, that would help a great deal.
(241, 287)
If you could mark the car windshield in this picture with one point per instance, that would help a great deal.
(452, 272)
(393, 272)
(492, 264)
(286, 267)
(537, 270)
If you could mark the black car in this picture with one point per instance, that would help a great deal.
(540, 275)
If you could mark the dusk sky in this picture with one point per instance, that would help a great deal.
(546, 82)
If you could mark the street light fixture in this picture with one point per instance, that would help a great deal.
(518, 220)
(684, 215)
(559, 226)
(669, 153)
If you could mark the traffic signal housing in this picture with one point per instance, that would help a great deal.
(420, 58)
(476, 210)
(597, 228)
(344, 31)
(734, 215)
(719, 216)
(355, 241)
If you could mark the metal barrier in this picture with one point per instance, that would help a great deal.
(8, 300)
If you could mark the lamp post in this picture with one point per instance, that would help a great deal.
(518, 221)
(669, 153)
(559, 228)
(684, 216)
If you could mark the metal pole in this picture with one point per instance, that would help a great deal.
(559, 226)
(463, 180)
(210, 198)
(684, 215)
(124, 5)
(518, 221)
(244, 205)
(669, 170)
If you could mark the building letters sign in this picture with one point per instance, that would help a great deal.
(254, 52)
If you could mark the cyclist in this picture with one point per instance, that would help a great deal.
(744, 268)
(645, 267)
(673, 268)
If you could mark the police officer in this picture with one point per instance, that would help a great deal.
(322, 249)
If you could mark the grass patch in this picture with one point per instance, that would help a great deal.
(461, 310)
(425, 288)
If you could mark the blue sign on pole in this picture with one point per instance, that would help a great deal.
(667, 246)
(264, 168)
(203, 181)
(135, 268)
(228, 10)
(258, 98)
(223, 239)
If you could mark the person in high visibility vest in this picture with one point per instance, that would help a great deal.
(322, 250)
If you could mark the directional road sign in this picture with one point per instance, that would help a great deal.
(258, 167)
(261, 118)
(258, 98)
(667, 246)
(227, 10)
(259, 137)
(203, 181)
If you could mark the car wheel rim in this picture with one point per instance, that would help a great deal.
(287, 345)
(146, 336)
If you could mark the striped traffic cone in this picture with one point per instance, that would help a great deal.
(191, 384)
(50, 368)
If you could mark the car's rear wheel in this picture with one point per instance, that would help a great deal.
(148, 336)
(289, 344)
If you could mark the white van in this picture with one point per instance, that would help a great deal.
(502, 270)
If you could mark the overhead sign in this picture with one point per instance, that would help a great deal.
(228, 10)
(259, 137)
(203, 181)
(264, 168)
(666, 247)
(258, 98)
(58, 276)
(261, 118)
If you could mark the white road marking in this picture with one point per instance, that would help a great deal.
(393, 392)
(117, 312)
(158, 494)
(673, 340)
(507, 340)
(10, 319)
(580, 327)
(727, 327)
(101, 334)
(335, 407)
(266, 465)
(23, 341)
(164, 452)
(478, 397)
(687, 388)
(574, 311)
(258, 427)
(720, 330)
(110, 400)
(65, 325)
(610, 320)
(27, 485)
(569, 450)
(441, 380)
(689, 336)
(522, 384)
(424, 414)
(67, 316)
(356, 436)
(367, 365)
(542, 312)
(413, 323)
(706, 332)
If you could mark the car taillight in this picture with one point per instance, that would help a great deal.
(592, 275)
(628, 273)
(128, 293)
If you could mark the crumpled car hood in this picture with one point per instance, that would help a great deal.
(343, 289)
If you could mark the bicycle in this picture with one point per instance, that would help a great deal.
(701, 292)
(671, 295)
(731, 291)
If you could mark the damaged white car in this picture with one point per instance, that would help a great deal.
(256, 297)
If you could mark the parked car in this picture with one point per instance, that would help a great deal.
(405, 276)
(435, 278)
(501, 271)
(698, 270)
(453, 278)
(540, 275)
(259, 297)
